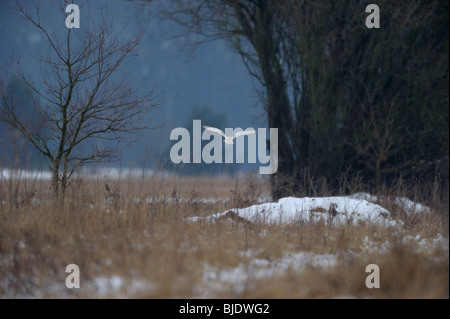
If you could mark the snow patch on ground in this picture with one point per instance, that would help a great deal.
(119, 287)
(438, 242)
(24, 174)
(370, 246)
(335, 210)
(242, 276)
(171, 200)
(417, 241)
(96, 173)
(408, 206)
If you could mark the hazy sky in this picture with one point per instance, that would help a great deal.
(213, 76)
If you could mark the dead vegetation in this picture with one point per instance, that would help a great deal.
(133, 237)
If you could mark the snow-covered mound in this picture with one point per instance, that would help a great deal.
(337, 210)
(407, 205)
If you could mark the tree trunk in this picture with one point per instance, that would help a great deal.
(55, 178)
(278, 105)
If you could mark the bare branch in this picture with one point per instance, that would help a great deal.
(82, 96)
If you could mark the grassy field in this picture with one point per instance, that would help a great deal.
(131, 238)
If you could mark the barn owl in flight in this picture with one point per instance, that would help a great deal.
(229, 139)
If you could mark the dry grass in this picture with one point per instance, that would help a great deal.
(135, 230)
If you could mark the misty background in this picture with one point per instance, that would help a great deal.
(210, 83)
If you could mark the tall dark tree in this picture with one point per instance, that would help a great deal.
(343, 96)
(376, 99)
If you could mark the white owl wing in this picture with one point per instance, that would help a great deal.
(213, 129)
(246, 132)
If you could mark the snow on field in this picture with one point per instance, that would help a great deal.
(337, 210)
(171, 199)
(119, 287)
(109, 173)
(25, 174)
(438, 242)
(101, 287)
(408, 206)
(242, 276)
(359, 208)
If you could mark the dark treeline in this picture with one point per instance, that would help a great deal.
(373, 102)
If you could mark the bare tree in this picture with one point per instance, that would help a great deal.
(84, 109)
